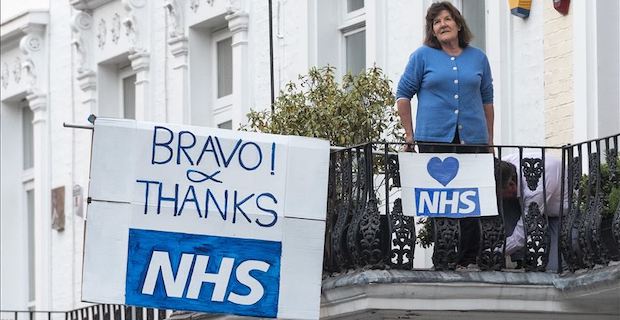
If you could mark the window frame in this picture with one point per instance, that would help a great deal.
(351, 23)
(225, 101)
(221, 106)
(125, 71)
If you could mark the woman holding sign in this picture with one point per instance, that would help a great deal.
(453, 83)
(454, 86)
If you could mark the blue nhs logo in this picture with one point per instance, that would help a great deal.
(447, 202)
(203, 273)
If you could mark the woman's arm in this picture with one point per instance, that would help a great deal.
(489, 115)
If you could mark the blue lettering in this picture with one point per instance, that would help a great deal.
(260, 156)
(232, 153)
(161, 144)
(171, 199)
(453, 202)
(212, 197)
(209, 147)
(272, 212)
(146, 192)
(192, 199)
(180, 146)
(238, 205)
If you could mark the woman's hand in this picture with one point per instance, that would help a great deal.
(409, 146)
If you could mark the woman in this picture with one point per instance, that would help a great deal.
(454, 86)
(455, 106)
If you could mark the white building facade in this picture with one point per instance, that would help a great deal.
(207, 62)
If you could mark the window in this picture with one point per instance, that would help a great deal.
(127, 93)
(474, 13)
(353, 5)
(224, 67)
(31, 241)
(356, 51)
(225, 125)
(27, 138)
(353, 30)
(129, 97)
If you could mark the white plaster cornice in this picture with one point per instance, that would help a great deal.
(178, 46)
(238, 21)
(88, 4)
(27, 22)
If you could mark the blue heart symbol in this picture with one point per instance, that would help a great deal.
(443, 171)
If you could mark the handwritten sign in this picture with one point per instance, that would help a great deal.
(203, 219)
(447, 185)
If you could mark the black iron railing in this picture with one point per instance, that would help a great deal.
(94, 312)
(366, 227)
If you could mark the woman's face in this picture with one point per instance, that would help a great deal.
(445, 28)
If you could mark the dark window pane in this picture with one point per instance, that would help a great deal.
(353, 5)
(31, 261)
(129, 97)
(27, 137)
(224, 67)
(225, 125)
(356, 52)
(474, 14)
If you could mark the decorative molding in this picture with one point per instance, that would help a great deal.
(5, 75)
(30, 43)
(175, 16)
(101, 33)
(81, 22)
(179, 46)
(130, 31)
(135, 3)
(140, 62)
(87, 80)
(88, 4)
(30, 73)
(238, 22)
(115, 29)
(194, 5)
(38, 104)
(17, 70)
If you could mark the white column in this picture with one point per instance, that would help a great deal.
(178, 94)
(584, 70)
(140, 62)
(179, 78)
(34, 49)
(136, 23)
(238, 25)
(42, 211)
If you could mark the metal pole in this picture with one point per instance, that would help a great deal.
(77, 126)
(271, 53)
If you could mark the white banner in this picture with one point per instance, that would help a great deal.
(447, 185)
(204, 219)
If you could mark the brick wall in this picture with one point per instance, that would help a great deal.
(558, 76)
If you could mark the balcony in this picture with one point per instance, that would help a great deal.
(375, 268)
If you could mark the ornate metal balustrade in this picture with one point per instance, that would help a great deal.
(590, 233)
(94, 312)
(366, 227)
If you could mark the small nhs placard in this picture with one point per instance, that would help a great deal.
(203, 273)
(448, 185)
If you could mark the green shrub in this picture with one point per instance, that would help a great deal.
(356, 110)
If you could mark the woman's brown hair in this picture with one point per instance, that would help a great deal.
(435, 9)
